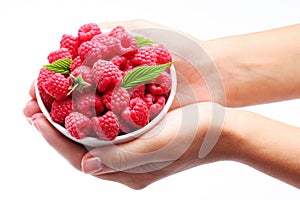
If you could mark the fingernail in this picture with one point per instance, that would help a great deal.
(33, 118)
(29, 120)
(92, 165)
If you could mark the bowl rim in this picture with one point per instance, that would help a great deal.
(95, 142)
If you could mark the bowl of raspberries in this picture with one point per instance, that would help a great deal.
(106, 87)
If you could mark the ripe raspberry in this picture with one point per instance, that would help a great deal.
(116, 99)
(47, 99)
(90, 52)
(87, 76)
(59, 54)
(145, 56)
(89, 104)
(60, 110)
(88, 31)
(162, 54)
(44, 75)
(116, 31)
(57, 86)
(106, 75)
(75, 63)
(137, 114)
(71, 43)
(137, 91)
(155, 104)
(78, 125)
(108, 42)
(161, 85)
(126, 44)
(106, 126)
(119, 61)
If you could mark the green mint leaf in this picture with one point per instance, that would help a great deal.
(61, 66)
(143, 41)
(143, 74)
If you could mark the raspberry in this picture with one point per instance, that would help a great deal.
(161, 85)
(137, 91)
(47, 99)
(44, 75)
(106, 75)
(126, 44)
(89, 104)
(116, 99)
(87, 76)
(145, 56)
(71, 43)
(60, 110)
(155, 104)
(137, 114)
(90, 52)
(78, 125)
(108, 42)
(76, 63)
(162, 54)
(119, 61)
(57, 86)
(59, 54)
(88, 31)
(116, 31)
(106, 126)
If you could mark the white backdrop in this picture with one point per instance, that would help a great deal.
(30, 29)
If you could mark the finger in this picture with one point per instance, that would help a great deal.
(70, 150)
(130, 24)
(31, 108)
(32, 90)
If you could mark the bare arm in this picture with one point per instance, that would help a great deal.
(259, 67)
(267, 145)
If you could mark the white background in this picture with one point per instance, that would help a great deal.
(30, 29)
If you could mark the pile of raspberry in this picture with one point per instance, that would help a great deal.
(103, 109)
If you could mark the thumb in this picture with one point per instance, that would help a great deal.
(165, 143)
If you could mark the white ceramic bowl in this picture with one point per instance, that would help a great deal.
(94, 142)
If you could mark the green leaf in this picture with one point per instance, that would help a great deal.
(143, 74)
(143, 41)
(61, 66)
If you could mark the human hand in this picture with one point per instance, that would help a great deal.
(174, 145)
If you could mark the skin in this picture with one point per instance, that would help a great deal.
(265, 64)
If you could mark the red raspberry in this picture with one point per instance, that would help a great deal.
(78, 125)
(76, 63)
(126, 44)
(162, 54)
(116, 31)
(116, 99)
(119, 61)
(137, 91)
(145, 56)
(89, 104)
(106, 75)
(57, 86)
(60, 110)
(47, 99)
(108, 42)
(137, 114)
(106, 126)
(44, 75)
(71, 43)
(86, 73)
(161, 85)
(155, 104)
(90, 52)
(88, 31)
(59, 54)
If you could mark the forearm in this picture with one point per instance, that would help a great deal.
(267, 145)
(259, 67)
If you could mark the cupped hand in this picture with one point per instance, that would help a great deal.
(172, 146)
